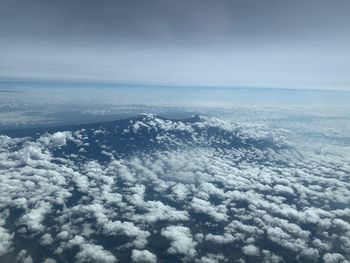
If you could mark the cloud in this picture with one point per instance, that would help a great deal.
(251, 250)
(181, 240)
(143, 256)
(46, 239)
(56, 139)
(203, 185)
(212, 258)
(6, 240)
(94, 253)
(157, 211)
(334, 258)
(23, 257)
(33, 220)
(201, 206)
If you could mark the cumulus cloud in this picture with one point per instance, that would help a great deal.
(181, 240)
(6, 240)
(334, 258)
(56, 139)
(201, 206)
(180, 189)
(251, 250)
(23, 257)
(143, 256)
(94, 253)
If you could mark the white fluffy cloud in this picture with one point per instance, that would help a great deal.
(181, 240)
(94, 253)
(56, 139)
(251, 250)
(143, 256)
(6, 240)
(203, 185)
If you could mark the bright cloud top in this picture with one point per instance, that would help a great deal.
(192, 190)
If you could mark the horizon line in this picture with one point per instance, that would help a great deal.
(159, 85)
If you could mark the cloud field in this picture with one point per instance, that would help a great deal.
(149, 189)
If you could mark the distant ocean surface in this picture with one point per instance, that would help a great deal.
(30, 104)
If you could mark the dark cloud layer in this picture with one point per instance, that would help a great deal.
(261, 43)
(175, 21)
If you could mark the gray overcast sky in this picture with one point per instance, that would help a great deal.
(268, 43)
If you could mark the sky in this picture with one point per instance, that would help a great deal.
(253, 43)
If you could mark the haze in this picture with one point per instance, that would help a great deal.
(284, 44)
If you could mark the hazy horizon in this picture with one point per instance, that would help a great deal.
(292, 44)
